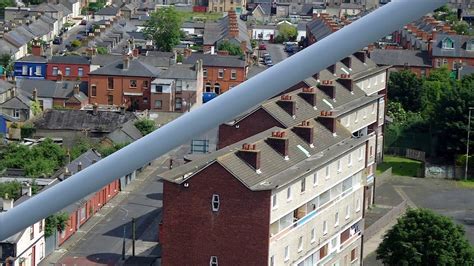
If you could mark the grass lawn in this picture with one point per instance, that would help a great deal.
(466, 184)
(198, 16)
(400, 166)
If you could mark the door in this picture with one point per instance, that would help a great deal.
(33, 256)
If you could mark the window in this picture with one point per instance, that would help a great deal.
(370, 151)
(327, 172)
(208, 87)
(158, 104)
(204, 72)
(325, 228)
(324, 198)
(41, 251)
(336, 219)
(178, 104)
(145, 99)
(339, 166)
(55, 71)
(83, 213)
(373, 108)
(215, 202)
(157, 88)
(287, 253)
(288, 193)
(357, 205)
(448, 43)
(110, 99)
(41, 226)
(133, 83)
(272, 260)
(110, 83)
(32, 232)
(313, 236)
(356, 117)
(24, 70)
(16, 113)
(213, 261)
(93, 90)
(315, 178)
(300, 244)
(233, 74)
(145, 84)
(38, 71)
(220, 73)
(360, 154)
(353, 254)
(67, 72)
(347, 184)
(274, 201)
(179, 86)
(303, 185)
(470, 45)
(348, 212)
(438, 63)
(364, 111)
(217, 88)
(80, 72)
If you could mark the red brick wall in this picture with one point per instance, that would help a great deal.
(226, 82)
(255, 123)
(70, 228)
(238, 234)
(74, 72)
(467, 61)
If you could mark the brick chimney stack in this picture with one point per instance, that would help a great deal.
(309, 95)
(328, 122)
(346, 81)
(332, 69)
(279, 142)
(305, 131)
(327, 86)
(347, 62)
(76, 89)
(233, 24)
(79, 166)
(361, 55)
(250, 155)
(36, 49)
(288, 104)
(26, 189)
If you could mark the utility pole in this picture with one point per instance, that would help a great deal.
(468, 140)
(123, 244)
(133, 237)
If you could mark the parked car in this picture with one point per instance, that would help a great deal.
(269, 64)
(262, 46)
(268, 61)
(58, 40)
(83, 22)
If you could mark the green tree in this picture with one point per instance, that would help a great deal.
(108, 150)
(287, 32)
(55, 222)
(461, 27)
(422, 237)
(233, 49)
(5, 3)
(102, 50)
(434, 86)
(164, 28)
(146, 126)
(13, 189)
(27, 130)
(76, 43)
(406, 88)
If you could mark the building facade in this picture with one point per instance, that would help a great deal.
(71, 68)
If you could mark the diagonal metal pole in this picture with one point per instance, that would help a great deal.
(267, 84)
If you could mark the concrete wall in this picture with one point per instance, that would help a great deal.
(373, 84)
(360, 118)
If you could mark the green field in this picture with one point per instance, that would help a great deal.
(400, 166)
(466, 184)
(198, 16)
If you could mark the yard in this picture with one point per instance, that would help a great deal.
(400, 166)
(199, 17)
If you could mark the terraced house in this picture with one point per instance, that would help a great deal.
(292, 181)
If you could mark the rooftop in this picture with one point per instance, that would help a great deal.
(401, 57)
(216, 60)
(70, 59)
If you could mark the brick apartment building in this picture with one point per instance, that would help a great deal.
(292, 181)
(220, 73)
(69, 67)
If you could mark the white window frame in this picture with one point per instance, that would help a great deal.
(288, 194)
(233, 74)
(55, 71)
(272, 260)
(220, 73)
(80, 72)
(213, 261)
(38, 71)
(356, 117)
(348, 212)
(300, 244)
(315, 178)
(364, 111)
(327, 172)
(215, 202)
(303, 185)
(360, 154)
(325, 228)
(24, 70)
(373, 108)
(287, 253)
(67, 72)
(274, 201)
(336, 219)
(313, 235)
(339, 166)
(357, 205)
(349, 159)
(204, 72)
(16, 113)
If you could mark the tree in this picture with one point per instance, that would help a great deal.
(461, 27)
(233, 49)
(406, 88)
(422, 237)
(164, 28)
(76, 43)
(436, 84)
(5, 3)
(55, 222)
(146, 126)
(287, 32)
(12, 188)
(102, 50)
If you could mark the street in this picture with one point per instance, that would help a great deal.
(277, 52)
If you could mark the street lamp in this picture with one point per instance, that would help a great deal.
(467, 144)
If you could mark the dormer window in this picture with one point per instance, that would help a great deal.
(448, 43)
(470, 45)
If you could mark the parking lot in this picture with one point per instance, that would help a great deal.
(275, 51)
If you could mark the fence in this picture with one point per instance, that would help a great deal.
(407, 153)
(394, 213)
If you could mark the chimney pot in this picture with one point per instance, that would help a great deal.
(76, 89)
(79, 166)
(26, 189)
(7, 202)
(95, 109)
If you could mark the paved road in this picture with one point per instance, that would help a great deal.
(68, 37)
(103, 244)
(276, 52)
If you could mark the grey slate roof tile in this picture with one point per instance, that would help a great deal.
(401, 57)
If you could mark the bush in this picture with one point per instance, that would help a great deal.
(146, 126)
(54, 222)
(76, 43)
(27, 130)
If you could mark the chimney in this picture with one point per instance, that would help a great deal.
(309, 95)
(305, 131)
(79, 166)
(347, 62)
(26, 189)
(223, 52)
(243, 46)
(279, 142)
(327, 87)
(36, 49)
(95, 109)
(250, 155)
(432, 42)
(76, 89)
(346, 81)
(67, 173)
(135, 53)
(328, 122)
(233, 29)
(35, 94)
(362, 56)
(316, 76)
(122, 109)
(126, 62)
(7, 202)
(286, 103)
(332, 69)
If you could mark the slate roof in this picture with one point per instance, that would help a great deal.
(126, 133)
(275, 170)
(33, 59)
(318, 29)
(215, 32)
(182, 71)
(20, 101)
(135, 69)
(108, 11)
(19, 36)
(467, 70)
(5, 86)
(104, 121)
(137, 35)
(70, 59)
(195, 25)
(86, 159)
(401, 57)
(460, 43)
(7, 48)
(216, 60)
(52, 89)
